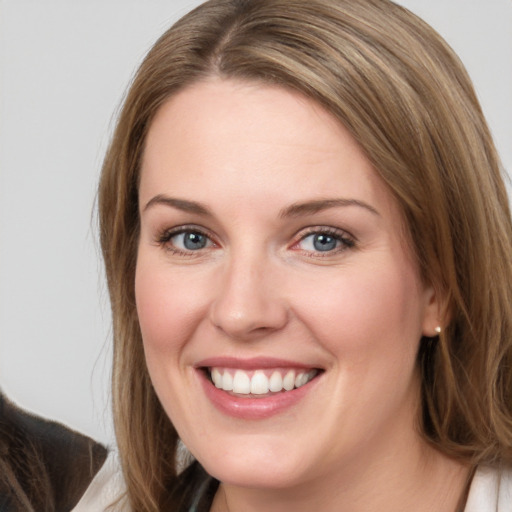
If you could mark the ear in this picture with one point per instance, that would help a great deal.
(435, 317)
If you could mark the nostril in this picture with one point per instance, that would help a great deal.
(242, 314)
(248, 324)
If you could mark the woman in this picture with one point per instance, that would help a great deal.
(307, 243)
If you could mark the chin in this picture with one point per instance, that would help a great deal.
(261, 467)
(249, 475)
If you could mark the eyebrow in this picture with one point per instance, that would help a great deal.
(295, 210)
(179, 204)
(311, 207)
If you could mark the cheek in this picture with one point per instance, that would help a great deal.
(360, 312)
(370, 323)
(167, 306)
(168, 310)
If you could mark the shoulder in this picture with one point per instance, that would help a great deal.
(106, 489)
(491, 490)
(44, 465)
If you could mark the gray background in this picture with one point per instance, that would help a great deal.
(64, 65)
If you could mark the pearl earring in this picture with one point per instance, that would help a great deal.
(438, 329)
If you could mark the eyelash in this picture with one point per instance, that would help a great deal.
(165, 237)
(346, 241)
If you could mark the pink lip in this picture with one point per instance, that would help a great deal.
(252, 408)
(255, 363)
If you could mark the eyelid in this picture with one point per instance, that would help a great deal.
(164, 236)
(168, 233)
(347, 239)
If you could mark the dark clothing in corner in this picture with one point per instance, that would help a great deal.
(44, 466)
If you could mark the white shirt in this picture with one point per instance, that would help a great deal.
(106, 487)
(491, 490)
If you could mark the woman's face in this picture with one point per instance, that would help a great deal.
(274, 261)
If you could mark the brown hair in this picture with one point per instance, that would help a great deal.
(406, 98)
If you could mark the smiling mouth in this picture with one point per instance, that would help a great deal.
(259, 383)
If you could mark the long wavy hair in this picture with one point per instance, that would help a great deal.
(403, 94)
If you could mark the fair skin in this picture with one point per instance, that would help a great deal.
(269, 246)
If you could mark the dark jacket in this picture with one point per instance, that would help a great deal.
(44, 466)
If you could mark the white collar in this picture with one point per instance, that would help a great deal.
(106, 487)
(491, 491)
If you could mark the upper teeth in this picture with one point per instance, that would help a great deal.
(259, 382)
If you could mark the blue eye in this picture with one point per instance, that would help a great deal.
(324, 241)
(187, 240)
(321, 242)
(194, 241)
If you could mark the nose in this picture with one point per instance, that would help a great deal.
(249, 303)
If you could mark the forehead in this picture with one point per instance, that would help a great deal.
(221, 138)
(252, 111)
(225, 118)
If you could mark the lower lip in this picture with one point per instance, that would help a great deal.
(253, 408)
